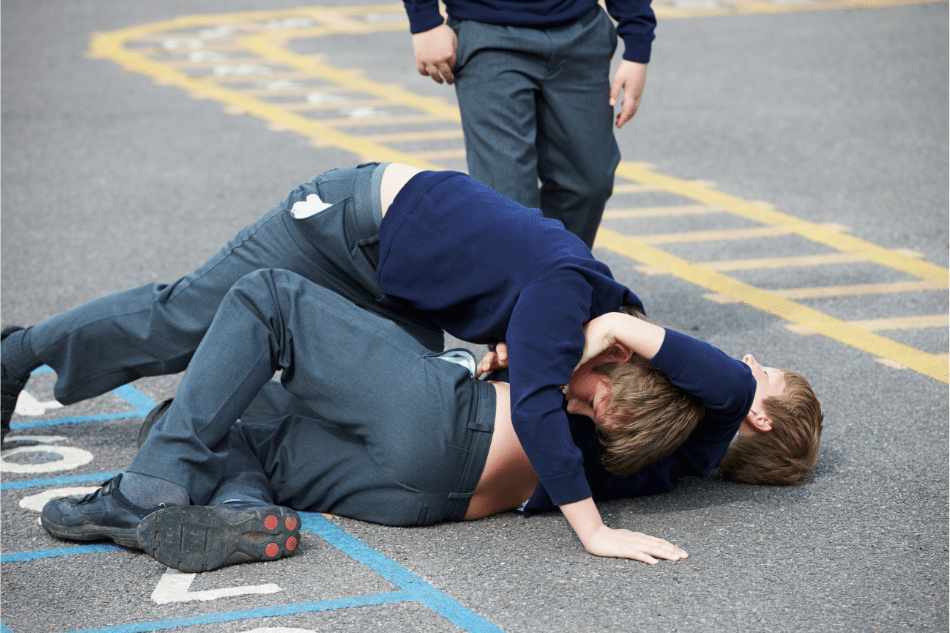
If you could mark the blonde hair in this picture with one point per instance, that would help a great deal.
(784, 455)
(648, 418)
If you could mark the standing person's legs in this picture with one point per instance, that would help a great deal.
(534, 106)
(497, 79)
(577, 151)
(155, 329)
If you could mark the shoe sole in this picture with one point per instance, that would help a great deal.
(126, 538)
(201, 538)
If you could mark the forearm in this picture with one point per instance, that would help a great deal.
(600, 540)
(614, 329)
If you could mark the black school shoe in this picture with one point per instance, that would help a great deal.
(97, 516)
(151, 419)
(201, 538)
(10, 389)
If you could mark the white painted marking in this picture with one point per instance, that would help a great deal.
(218, 31)
(174, 587)
(70, 458)
(223, 70)
(37, 501)
(197, 57)
(173, 43)
(322, 97)
(290, 23)
(28, 404)
(363, 113)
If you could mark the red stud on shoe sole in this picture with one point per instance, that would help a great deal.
(291, 544)
(291, 523)
(270, 522)
(272, 550)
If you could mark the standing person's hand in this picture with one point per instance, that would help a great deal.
(435, 53)
(629, 78)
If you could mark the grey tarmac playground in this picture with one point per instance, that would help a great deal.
(783, 191)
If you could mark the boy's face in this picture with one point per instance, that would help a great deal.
(769, 383)
(589, 393)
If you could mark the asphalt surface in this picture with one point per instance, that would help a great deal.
(113, 177)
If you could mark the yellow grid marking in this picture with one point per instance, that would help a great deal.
(894, 323)
(767, 301)
(673, 211)
(686, 237)
(843, 291)
(257, 41)
(765, 263)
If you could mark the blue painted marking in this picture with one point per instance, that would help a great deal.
(58, 481)
(263, 612)
(413, 588)
(419, 589)
(24, 557)
(141, 404)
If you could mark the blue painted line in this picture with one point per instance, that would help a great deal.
(263, 612)
(58, 481)
(141, 404)
(420, 590)
(413, 588)
(81, 419)
(25, 557)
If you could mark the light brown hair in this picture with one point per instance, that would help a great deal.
(784, 455)
(648, 417)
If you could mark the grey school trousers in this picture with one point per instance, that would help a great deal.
(534, 105)
(155, 329)
(388, 433)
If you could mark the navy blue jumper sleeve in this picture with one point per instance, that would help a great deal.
(486, 269)
(726, 388)
(635, 19)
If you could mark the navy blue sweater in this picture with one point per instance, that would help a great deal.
(725, 386)
(486, 269)
(635, 19)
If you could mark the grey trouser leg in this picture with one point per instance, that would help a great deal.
(363, 373)
(534, 106)
(155, 329)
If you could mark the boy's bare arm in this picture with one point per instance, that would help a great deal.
(600, 540)
(633, 335)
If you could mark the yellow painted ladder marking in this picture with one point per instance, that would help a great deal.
(231, 58)
(894, 323)
(776, 305)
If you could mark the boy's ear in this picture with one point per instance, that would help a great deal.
(758, 420)
(617, 353)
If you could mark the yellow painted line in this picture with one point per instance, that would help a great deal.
(422, 135)
(859, 290)
(399, 119)
(110, 45)
(768, 263)
(809, 230)
(893, 323)
(349, 104)
(798, 261)
(672, 211)
(767, 301)
(294, 75)
(825, 292)
(688, 237)
(666, 11)
(441, 154)
(264, 46)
